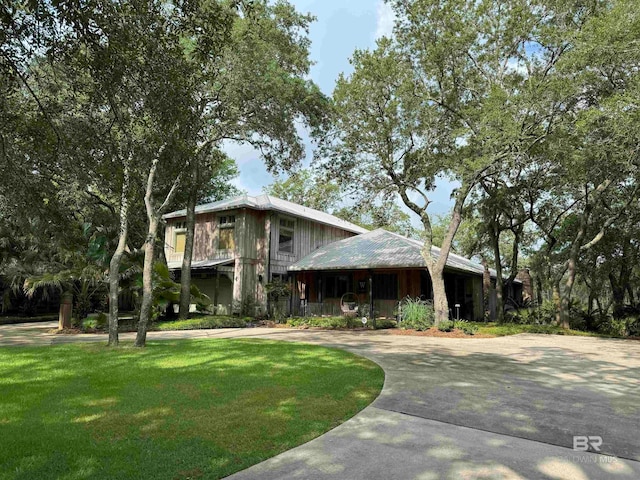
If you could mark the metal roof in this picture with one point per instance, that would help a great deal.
(269, 202)
(379, 249)
(201, 264)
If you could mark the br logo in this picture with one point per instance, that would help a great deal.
(583, 443)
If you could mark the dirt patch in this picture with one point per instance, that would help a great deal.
(66, 331)
(434, 332)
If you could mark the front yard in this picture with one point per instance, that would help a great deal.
(175, 410)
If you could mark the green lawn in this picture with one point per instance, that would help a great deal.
(514, 329)
(175, 410)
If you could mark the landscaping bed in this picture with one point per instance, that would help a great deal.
(174, 410)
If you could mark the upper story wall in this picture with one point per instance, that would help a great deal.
(251, 239)
(307, 237)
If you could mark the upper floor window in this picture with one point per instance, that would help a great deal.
(286, 234)
(226, 226)
(180, 236)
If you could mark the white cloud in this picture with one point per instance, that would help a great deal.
(385, 19)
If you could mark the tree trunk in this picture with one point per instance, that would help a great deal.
(185, 276)
(486, 290)
(539, 291)
(153, 217)
(565, 299)
(147, 283)
(440, 301)
(558, 303)
(495, 240)
(617, 294)
(114, 264)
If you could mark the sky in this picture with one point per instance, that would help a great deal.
(341, 26)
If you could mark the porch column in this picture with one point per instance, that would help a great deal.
(215, 293)
(292, 285)
(371, 312)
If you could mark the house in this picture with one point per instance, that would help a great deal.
(244, 242)
(380, 268)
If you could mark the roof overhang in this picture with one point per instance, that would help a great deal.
(202, 264)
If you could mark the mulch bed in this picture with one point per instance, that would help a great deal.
(434, 332)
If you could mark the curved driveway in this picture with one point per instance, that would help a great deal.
(504, 407)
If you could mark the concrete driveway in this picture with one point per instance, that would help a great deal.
(468, 408)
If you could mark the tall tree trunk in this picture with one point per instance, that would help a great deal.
(147, 283)
(153, 218)
(436, 268)
(440, 301)
(565, 299)
(114, 264)
(557, 302)
(185, 275)
(486, 290)
(495, 240)
(617, 293)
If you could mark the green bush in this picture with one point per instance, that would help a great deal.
(542, 315)
(203, 323)
(446, 326)
(466, 327)
(102, 320)
(633, 326)
(416, 314)
(323, 322)
(338, 322)
(384, 323)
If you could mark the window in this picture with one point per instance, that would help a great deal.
(285, 238)
(226, 227)
(336, 285)
(385, 286)
(180, 236)
(181, 239)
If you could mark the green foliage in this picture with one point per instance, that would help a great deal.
(446, 326)
(171, 385)
(416, 314)
(323, 322)
(384, 323)
(542, 315)
(467, 327)
(307, 188)
(277, 290)
(339, 322)
(203, 323)
(165, 290)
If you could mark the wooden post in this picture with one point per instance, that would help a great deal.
(371, 312)
(66, 308)
(292, 286)
(215, 294)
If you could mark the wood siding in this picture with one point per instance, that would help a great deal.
(256, 255)
(308, 236)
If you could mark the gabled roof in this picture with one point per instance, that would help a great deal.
(378, 249)
(269, 202)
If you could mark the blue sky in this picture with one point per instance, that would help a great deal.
(341, 26)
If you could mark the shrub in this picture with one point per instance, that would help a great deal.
(416, 314)
(384, 323)
(633, 326)
(446, 326)
(542, 315)
(466, 327)
(203, 323)
(323, 322)
(339, 322)
(101, 320)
